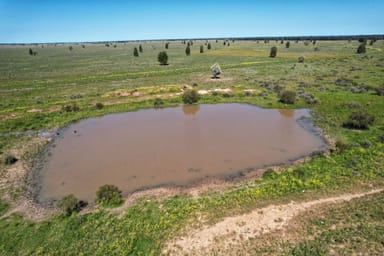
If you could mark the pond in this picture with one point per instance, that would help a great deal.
(172, 146)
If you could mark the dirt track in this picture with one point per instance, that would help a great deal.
(234, 230)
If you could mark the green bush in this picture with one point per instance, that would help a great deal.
(69, 204)
(380, 90)
(359, 120)
(158, 103)
(72, 107)
(163, 58)
(288, 97)
(8, 160)
(109, 196)
(190, 96)
(99, 105)
(270, 174)
(273, 52)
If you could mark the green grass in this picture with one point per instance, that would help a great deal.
(355, 227)
(33, 90)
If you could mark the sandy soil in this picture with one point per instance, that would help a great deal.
(237, 229)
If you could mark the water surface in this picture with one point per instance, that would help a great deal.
(173, 146)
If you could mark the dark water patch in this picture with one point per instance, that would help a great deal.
(176, 146)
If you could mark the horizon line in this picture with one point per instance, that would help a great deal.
(300, 37)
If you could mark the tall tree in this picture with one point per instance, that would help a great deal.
(188, 51)
(135, 52)
(201, 49)
(140, 48)
(163, 58)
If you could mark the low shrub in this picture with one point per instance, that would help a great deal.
(72, 107)
(109, 196)
(158, 103)
(359, 120)
(365, 143)
(69, 204)
(99, 105)
(190, 96)
(341, 145)
(288, 97)
(380, 90)
(8, 160)
(269, 174)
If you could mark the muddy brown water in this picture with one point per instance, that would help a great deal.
(172, 146)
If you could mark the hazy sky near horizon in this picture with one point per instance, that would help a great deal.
(38, 21)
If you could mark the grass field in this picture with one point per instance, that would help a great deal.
(34, 90)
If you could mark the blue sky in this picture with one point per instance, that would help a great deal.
(84, 20)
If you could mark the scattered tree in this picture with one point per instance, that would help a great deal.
(32, 52)
(359, 120)
(163, 58)
(140, 48)
(188, 51)
(166, 45)
(135, 52)
(288, 97)
(216, 70)
(109, 196)
(190, 96)
(201, 49)
(361, 48)
(69, 204)
(70, 48)
(273, 52)
(287, 44)
(209, 46)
